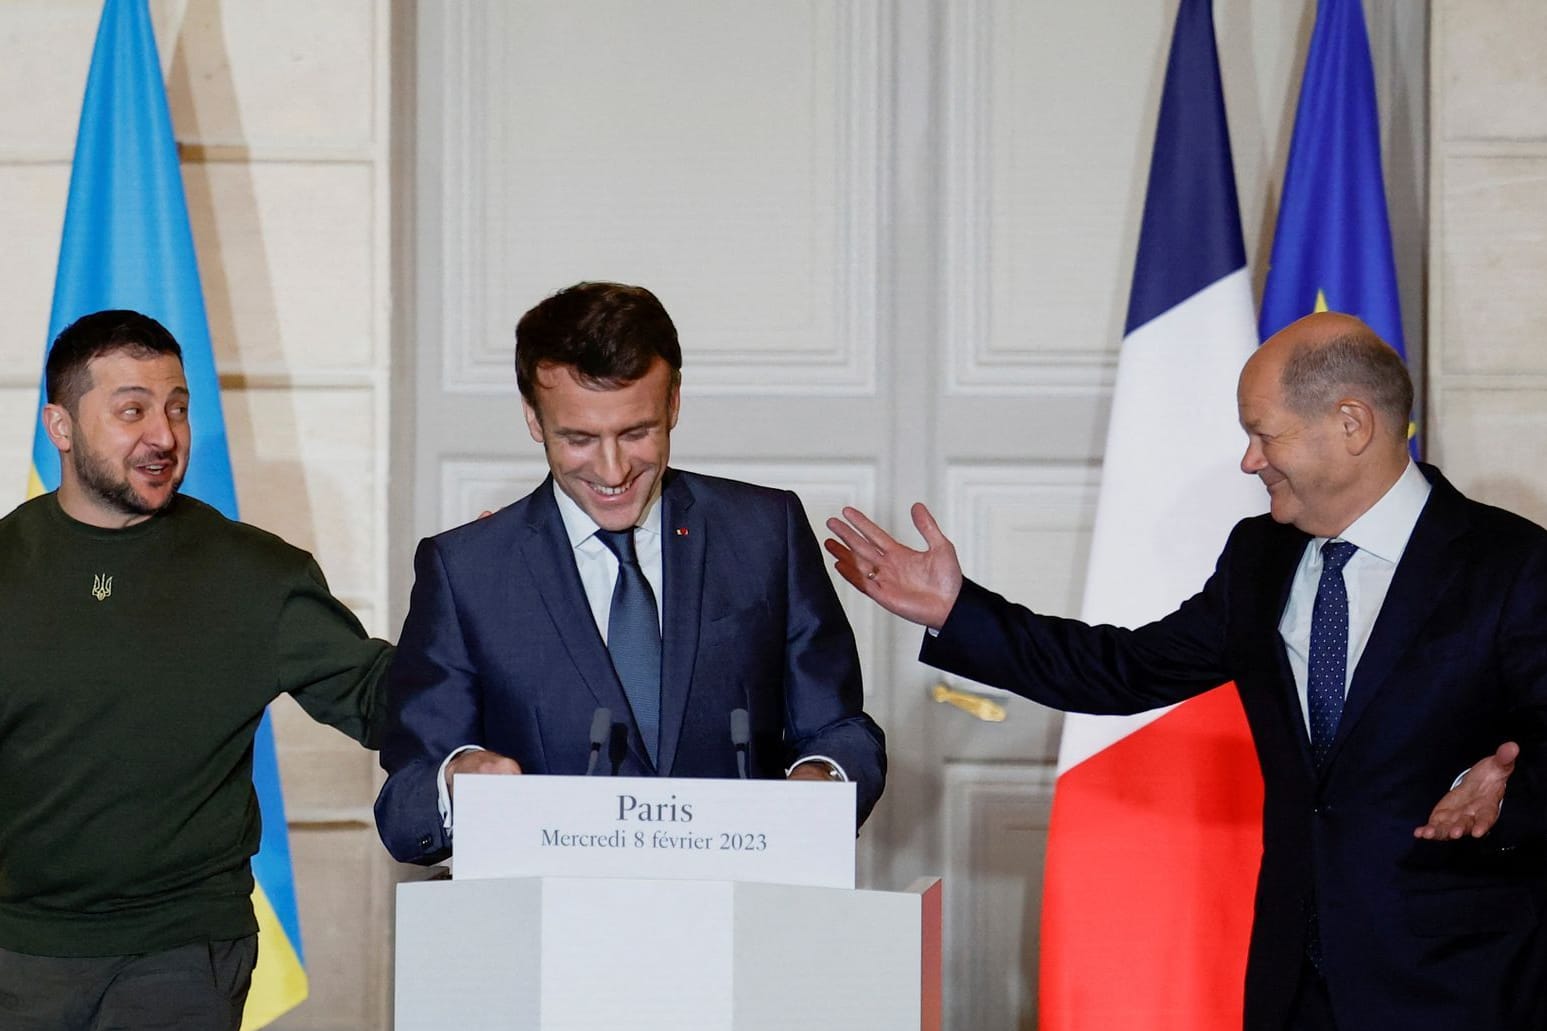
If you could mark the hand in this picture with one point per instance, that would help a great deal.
(920, 586)
(1472, 807)
(479, 760)
(811, 770)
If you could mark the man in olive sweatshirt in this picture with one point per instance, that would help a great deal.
(141, 636)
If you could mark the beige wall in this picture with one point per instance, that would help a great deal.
(281, 110)
(1488, 250)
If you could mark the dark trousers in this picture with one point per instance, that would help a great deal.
(1312, 1008)
(198, 987)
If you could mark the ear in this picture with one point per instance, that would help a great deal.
(674, 406)
(1356, 422)
(58, 425)
(534, 425)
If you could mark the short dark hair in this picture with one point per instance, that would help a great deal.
(67, 374)
(1360, 364)
(609, 333)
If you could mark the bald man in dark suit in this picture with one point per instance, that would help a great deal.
(1384, 632)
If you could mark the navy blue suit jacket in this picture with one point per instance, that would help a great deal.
(1424, 936)
(500, 650)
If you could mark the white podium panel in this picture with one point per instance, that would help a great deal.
(767, 831)
(577, 954)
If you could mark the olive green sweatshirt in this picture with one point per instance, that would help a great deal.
(135, 665)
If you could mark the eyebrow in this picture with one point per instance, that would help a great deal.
(136, 389)
(565, 431)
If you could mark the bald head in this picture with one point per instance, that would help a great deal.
(1328, 357)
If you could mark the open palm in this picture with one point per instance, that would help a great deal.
(920, 586)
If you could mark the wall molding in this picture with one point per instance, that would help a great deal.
(978, 358)
(847, 291)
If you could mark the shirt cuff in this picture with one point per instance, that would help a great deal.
(831, 763)
(442, 792)
(1462, 776)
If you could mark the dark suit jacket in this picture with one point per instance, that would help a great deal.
(500, 650)
(1415, 934)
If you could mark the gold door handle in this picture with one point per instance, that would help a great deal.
(980, 706)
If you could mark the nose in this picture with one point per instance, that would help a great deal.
(611, 466)
(156, 430)
(1253, 461)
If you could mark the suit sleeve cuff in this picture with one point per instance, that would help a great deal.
(442, 792)
(973, 603)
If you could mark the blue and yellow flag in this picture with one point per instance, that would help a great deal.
(127, 244)
(1332, 248)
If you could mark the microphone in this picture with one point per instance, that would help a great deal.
(601, 724)
(617, 748)
(741, 736)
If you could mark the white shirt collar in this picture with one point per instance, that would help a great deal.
(581, 528)
(1384, 528)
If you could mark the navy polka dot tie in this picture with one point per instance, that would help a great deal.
(634, 637)
(1327, 670)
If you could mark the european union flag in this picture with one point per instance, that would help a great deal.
(127, 244)
(1332, 248)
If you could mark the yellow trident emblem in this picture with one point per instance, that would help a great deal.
(101, 587)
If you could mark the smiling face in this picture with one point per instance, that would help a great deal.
(1297, 458)
(124, 449)
(607, 447)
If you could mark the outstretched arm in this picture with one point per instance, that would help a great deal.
(920, 586)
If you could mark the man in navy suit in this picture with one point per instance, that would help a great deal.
(1384, 631)
(670, 599)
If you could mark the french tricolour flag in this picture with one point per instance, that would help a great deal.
(1156, 826)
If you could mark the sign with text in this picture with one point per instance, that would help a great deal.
(763, 831)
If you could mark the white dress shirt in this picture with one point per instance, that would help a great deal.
(1381, 536)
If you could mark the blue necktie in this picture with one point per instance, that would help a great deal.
(634, 637)
(1327, 669)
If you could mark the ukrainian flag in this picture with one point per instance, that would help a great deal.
(1332, 247)
(127, 244)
